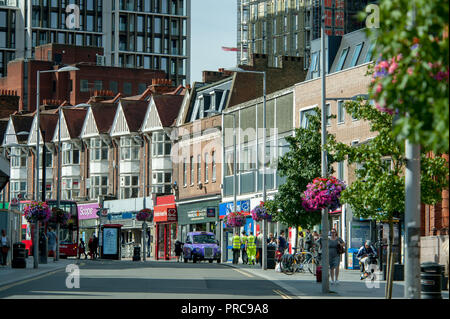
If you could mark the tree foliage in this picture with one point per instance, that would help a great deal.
(379, 189)
(413, 39)
(300, 165)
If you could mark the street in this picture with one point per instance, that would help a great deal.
(108, 279)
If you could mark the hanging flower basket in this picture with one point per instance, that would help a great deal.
(59, 216)
(144, 215)
(37, 211)
(323, 193)
(260, 213)
(235, 219)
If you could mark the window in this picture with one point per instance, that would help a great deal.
(18, 187)
(161, 182)
(127, 88)
(98, 85)
(229, 170)
(213, 164)
(70, 188)
(129, 186)
(369, 53)
(113, 86)
(341, 62)
(341, 112)
(70, 154)
(84, 86)
(161, 145)
(206, 167)
(340, 171)
(98, 150)
(99, 185)
(184, 172)
(129, 149)
(18, 158)
(304, 121)
(328, 113)
(356, 54)
(48, 158)
(248, 158)
(48, 188)
(199, 169)
(192, 170)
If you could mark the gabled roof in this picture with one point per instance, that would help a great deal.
(104, 116)
(168, 107)
(74, 119)
(48, 123)
(134, 112)
(22, 123)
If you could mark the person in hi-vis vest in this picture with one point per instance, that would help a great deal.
(244, 247)
(251, 249)
(236, 247)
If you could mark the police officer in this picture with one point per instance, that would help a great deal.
(251, 248)
(243, 247)
(236, 248)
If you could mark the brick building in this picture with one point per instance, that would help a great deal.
(75, 86)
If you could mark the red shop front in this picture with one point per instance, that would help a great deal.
(165, 219)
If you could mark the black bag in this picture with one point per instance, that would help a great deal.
(340, 249)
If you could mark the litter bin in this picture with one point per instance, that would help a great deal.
(137, 253)
(431, 278)
(353, 261)
(19, 256)
(271, 257)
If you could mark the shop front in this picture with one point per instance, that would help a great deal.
(250, 224)
(88, 220)
(165, 221)
(201, 215)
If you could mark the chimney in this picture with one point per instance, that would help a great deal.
(101, 95)
(9, 102)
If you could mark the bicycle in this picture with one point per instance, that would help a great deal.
(299, 262)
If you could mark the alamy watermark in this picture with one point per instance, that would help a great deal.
(73, 277)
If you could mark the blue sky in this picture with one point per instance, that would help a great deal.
(213, 26)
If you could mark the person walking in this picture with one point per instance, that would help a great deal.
(51, 235)
(308, 241)
(251, 248)
(301, 242)
(91, 247)
(5, 247)
(335, 258)
(95, 246)
(178, 249)
(236, 248)
(82, 249)
(271, 238)
(244, 248)
(259, 242)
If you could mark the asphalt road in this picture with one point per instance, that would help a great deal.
(151, 280)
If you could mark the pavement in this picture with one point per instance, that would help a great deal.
(10, 275)
(299, 285)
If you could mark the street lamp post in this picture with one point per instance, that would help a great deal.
(38, 124)
(58, 183)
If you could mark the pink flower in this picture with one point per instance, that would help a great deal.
(379, 88)
(410, 71)
(393, 67)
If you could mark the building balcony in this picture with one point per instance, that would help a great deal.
(70, 170)
(99, 167)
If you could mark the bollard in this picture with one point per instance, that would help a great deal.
(431, 278)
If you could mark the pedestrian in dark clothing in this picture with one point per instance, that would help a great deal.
(95, 246)
(82, 249)
(308, 241)
(91, 247)
(178, 249)
(5, 247)
(282, 243)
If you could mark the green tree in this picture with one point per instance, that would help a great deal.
(300, 165)
(413, 40)
(379, 189)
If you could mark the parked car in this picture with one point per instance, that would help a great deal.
(201, 246)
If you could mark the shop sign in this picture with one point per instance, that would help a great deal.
(211, 212)
(87, 211)
(197, 214)
(242, 205)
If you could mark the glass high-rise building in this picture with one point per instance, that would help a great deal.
(151, 34)
(287, 27)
